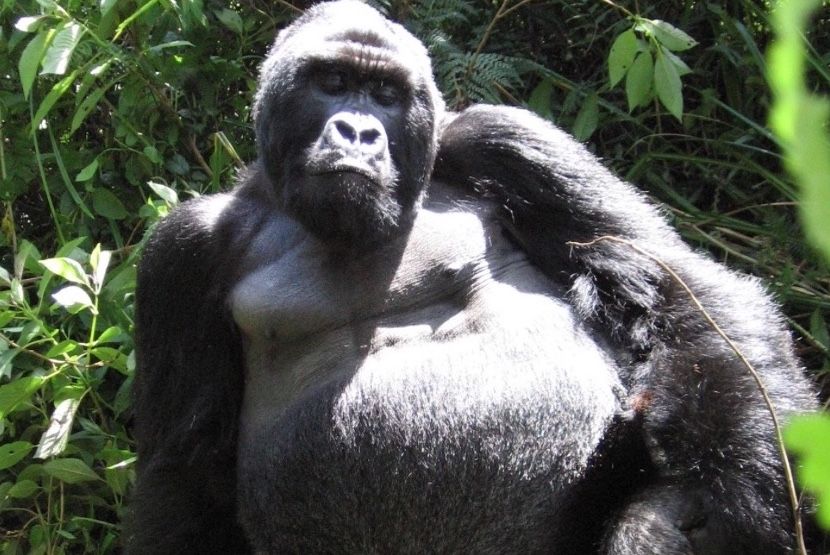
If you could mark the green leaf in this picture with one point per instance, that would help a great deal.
(809, 161)
(809, 436)
(99, 260)
(231, 20)
(587, 118)
(61, 48)
(152, 154)
(54, 95)
(23, 489)
(167, 194)
(73, 298)
(177, 164)
(539, 100)
(679, 65)
(71, 471)
(621, 56)
(171, 44)
(818, 328)
(668, 86)
(54, 440)
(67, 268)
(30, 59)
(88, 172)
(6, 359)
(18, 391)
(106, 204)
(106, 6)
(638, 81)
(13, 453)
(90, 102)
(29, 24)
(668, 35)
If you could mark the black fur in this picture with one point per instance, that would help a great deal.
(355, 351)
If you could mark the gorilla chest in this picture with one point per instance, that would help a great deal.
(451, 319)
(443, 368)
(453, 296)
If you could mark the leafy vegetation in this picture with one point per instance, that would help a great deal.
(113, 111)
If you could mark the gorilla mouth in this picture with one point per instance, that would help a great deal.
(349, 172)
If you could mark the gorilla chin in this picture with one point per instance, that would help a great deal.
(382, 341)
(346, 209)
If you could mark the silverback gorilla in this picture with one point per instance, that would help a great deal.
(383, 341)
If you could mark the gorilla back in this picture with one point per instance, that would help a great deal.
(381, 341)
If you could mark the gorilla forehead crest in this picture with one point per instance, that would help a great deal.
(333, 30)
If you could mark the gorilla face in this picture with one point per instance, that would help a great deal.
(345, 122)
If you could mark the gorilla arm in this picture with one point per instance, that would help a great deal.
(189, 383)
(707, 427)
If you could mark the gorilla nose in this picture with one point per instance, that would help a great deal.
(355, 133)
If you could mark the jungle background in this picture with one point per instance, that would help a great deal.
(114, 111)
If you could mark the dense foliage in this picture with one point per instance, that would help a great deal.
(112, 111)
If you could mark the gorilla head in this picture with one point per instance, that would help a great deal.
(382, 341)
(346, 123)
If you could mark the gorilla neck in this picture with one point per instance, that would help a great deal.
(350, 213)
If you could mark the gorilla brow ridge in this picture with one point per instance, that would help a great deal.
(369, 60)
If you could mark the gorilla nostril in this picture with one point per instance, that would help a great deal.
(369, 136)
(346, 130)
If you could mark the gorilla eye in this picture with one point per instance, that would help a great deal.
(332, 82)
(386, 94)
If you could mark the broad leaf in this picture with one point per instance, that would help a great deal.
(106, 204)
(70, 471)
(668, 35)
(668, 86)
(30, 59)
(73, 298)
(66, 268)
(60, 50)
(18, 391)
(13, 453)
(23, 489)
(539, 100)
(621, 56)
(54, 439)
(88, 172)
(586, 119)
(809, 437)
(638, 81)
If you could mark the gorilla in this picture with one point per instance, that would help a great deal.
(385, 339)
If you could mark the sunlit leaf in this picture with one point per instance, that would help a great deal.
(99, 260)
(60, 50)
(638, 81)
(668, 86)
(621, 56)
(54, 439)
(167, 194)
(30, 60)
(668, 35)
(809, 437)
(88, 171)
(66, 268)
(73, 298)
(70, 471)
